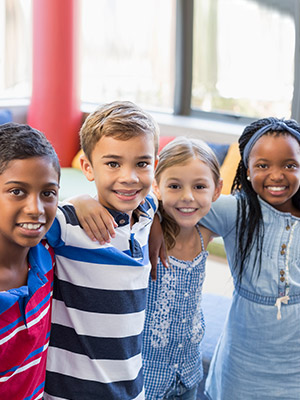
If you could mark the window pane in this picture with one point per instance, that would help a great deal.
(243, 58)
(15, 48)
(128, 51)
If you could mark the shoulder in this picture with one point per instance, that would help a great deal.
(66, 221)
(66, 212)
(150, 205)
(222, 217)
(42, 256)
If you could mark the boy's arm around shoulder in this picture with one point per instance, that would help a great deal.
(95, 219)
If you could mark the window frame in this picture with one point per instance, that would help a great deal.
(184, 62)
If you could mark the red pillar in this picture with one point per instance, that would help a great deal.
(55, 106)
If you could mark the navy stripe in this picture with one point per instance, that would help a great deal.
(68, 387)
(70, 214)
(108, 255)
(96, 348)
(100, 300)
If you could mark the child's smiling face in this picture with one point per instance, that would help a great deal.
(123, 171)
(187, 191)
(28, 196)
(274, 170)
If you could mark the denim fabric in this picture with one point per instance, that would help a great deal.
(258, 355)
(180, 392)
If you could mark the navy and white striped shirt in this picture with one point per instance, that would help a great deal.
(98, 309)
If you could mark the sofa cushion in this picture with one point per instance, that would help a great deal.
(5, 116)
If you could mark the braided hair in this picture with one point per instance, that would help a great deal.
(249, 221)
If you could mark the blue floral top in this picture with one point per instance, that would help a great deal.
(174, 326)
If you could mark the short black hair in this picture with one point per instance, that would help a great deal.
(20, 141)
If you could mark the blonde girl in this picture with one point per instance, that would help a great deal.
(187, 181)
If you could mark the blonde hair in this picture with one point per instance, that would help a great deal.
(121, 120)
(180, 151)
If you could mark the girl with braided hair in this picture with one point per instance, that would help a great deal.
(258, 354)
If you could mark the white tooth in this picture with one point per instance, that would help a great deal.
(276, 188)
(187, 210)
(30, 226)
(126, 194)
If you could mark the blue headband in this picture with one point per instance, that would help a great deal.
(275, 125)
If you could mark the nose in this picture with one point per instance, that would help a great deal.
(129, 175)
(187, 195)
(34, 206)
(276, 174)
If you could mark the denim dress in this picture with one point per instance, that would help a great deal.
(174, 327)
(258, 353)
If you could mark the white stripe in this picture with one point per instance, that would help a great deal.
(25, 367)
(49, 397)
(22, 369)
(82, 367)
(22, 327)
(96, 324)
(102, 276)
(40, 396)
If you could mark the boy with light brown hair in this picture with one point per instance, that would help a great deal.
(100, 289)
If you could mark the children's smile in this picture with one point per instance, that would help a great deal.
(274, 170)
(187, 191)
(29, 196)
(123, 171)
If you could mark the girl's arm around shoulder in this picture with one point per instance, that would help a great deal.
(221, 218)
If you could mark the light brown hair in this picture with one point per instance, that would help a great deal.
(121, 120)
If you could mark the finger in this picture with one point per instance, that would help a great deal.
(99, 229)
(87, 230)
(153, 273)
(163, 255)
(109, 223)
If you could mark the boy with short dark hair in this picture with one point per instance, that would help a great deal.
(100, 290)
(29, 183)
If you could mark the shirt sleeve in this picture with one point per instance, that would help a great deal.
(221, 219)
(56, 236)
(152, 202)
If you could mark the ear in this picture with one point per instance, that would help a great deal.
(248, 174)
(155, 189)
(86, 167)
(218, 190)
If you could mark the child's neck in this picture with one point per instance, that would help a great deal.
(13, 271)
(188, 244)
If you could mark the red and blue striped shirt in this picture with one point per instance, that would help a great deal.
(25, 320)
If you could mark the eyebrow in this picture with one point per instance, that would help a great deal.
(203, 179)
(268, 160)
(115, 157)
(26, 184)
